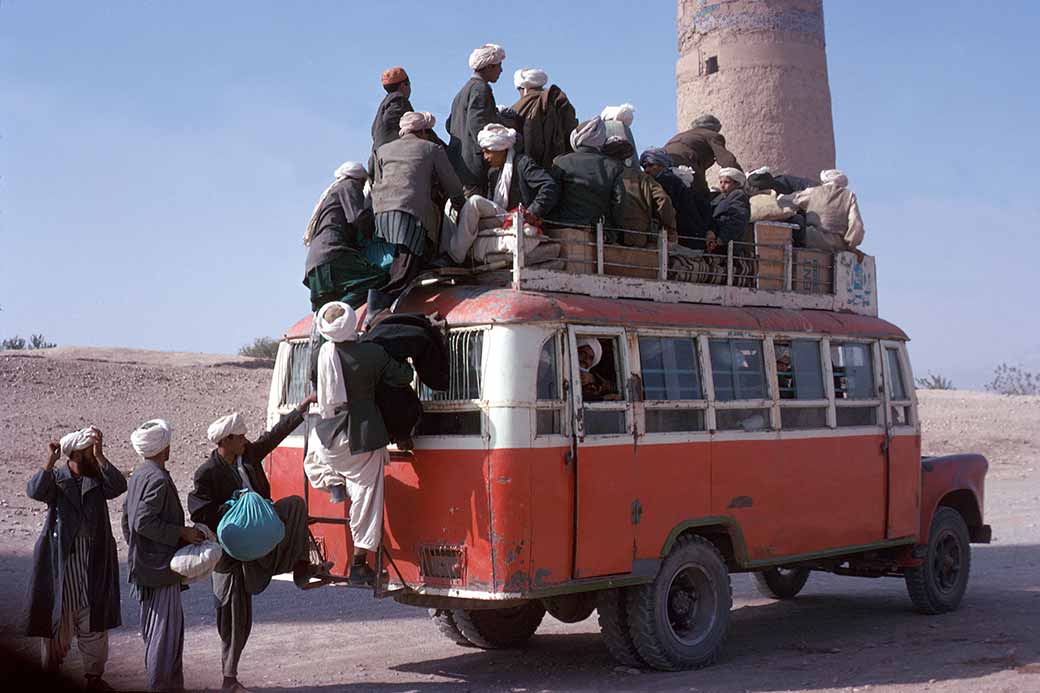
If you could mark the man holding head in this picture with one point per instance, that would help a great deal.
(74, 590)
(237, 463)
(473, 108)
(153, 526)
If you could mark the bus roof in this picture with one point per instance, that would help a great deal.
(481, 305)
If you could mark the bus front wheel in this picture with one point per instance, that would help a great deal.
(494, 629)
(938, 585)
(680, 620)
(445, 622)
(781, 583)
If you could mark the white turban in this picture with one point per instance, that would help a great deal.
(230, 425)
(332, 384)
(835, 176)
(761, 170)
(77, 440)
(496, 137)
(151, 438)
(416, 121)
(530, 78)
(351, 169)
(591, 133)
(485, 56)
(623, 113)
(342, 328)
(734, 174)
(597, 348)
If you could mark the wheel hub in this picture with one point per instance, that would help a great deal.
(689, 604)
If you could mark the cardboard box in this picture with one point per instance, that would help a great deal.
(770, 236)
(813, 271)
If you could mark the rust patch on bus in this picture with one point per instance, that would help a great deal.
(741, 502)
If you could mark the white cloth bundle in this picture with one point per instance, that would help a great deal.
(195, 562)
(485, 56)
(625, 113)
(332, 385)
(77, 440)
(231, 425)
(530, 78)
(151, 438)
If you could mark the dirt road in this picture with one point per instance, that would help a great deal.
(840, 634)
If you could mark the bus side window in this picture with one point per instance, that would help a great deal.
(671, 384)
(298, 381)
(549, 410)
(897, 392)
(599, 363)
(855, 393)
(799, 375)
(456, 411)
(739, 376)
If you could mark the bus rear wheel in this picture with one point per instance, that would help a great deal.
(445, 622)
(494, 629)
(680, 620)
(938, 585)
(781, 583)
(612, 606)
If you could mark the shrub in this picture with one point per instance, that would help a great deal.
(37, 341)
(934, 381)
(1014, 380)
(14, 343)
(261, 348)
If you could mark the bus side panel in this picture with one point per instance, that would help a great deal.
(439, 500)
(510, 490)
(606, 493)
(799, 496)
(904, 505)
(552, 516)
(673, 485)
(284, 467)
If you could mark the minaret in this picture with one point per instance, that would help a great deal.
(761, 67)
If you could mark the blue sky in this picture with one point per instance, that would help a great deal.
(159, 160)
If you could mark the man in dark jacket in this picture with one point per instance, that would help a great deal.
(472, 109)
(394, 105)
(731, 213)
(692, 218)
(339, 229)
(547, 115)
(591, 185)
(74, 589)
(700, 148)
(236, 464)
(647, 206)
(153, 526)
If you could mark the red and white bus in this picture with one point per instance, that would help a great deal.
(742, 438)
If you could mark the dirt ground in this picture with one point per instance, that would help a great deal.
(840, 634)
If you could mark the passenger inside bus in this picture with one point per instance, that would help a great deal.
(598, 382)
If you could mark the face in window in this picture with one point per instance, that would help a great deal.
(590, 351)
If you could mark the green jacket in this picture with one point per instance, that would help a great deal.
(366, 365)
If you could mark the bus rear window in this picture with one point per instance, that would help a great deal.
(298, 384)
(465, 351)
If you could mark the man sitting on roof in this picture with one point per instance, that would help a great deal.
(692, 223)
(591, 185)
(783, 184)
(646, 202)
(731, 211)
(832, 213)
(618, 121)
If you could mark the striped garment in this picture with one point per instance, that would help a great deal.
(76, 582)
(401, 228)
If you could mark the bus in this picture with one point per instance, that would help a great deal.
(762, 431)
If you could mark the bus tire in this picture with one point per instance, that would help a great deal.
(571, 608)
(494, 629)
(680, 620)
(938, 585)
(445, 622)
(612, 608)
(781, 583)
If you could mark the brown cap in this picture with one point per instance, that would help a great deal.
(395, 75)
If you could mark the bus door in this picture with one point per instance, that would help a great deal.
(903, 444)
(605, 460)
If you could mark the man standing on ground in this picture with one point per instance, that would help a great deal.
(473, 108)
(153, 526)
(74, 590)
(235, 464)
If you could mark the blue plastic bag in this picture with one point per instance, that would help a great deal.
(251, 528)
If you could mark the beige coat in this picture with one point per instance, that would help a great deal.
(834, 211)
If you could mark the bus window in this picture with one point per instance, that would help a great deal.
(599, 363)
(671, 384)
(738, 374)
(799, 376)
(549, 410)
(456, 411)
(298, 382)
(897, 394)
(855, 394)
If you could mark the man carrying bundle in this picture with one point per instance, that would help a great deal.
(235, 464)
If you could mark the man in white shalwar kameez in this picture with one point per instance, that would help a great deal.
(348, 445)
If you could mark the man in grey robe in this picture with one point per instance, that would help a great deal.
(473, 108)
(153, 526)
